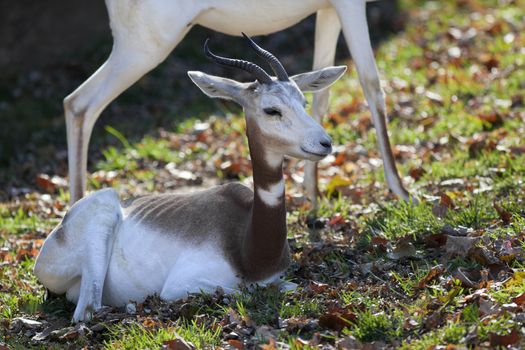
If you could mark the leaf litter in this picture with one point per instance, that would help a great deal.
(364, 283)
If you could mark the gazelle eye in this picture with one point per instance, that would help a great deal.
(272, 112)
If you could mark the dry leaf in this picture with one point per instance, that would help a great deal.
(46, 183)
(504, 340)
(318, 287)
(464, 277)
(433, 321)
(460, 246)
(507, 252)
(520, 299)
(337, 219)
(379, 242)
(177, 344)
(504, 215)
(440, 209)
(336, 182)
(483, 256)
(434, 272)
(404, 249)
(348, 343)
(71, 335)
(447, 201)
(150, 322)
(416, 173)
(436, 240)
(26, 253)
(336, 320)
(272, 345)
(237, 344)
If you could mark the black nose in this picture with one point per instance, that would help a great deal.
(326, 143)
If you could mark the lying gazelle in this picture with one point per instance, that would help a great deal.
(108, 251)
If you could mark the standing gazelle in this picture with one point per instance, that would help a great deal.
(110, 251)
(146, 31)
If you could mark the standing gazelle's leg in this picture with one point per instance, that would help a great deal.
(134, 53)
(353, 18)
(327, 30)
(84, 105)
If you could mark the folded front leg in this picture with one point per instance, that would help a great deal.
(201, 269)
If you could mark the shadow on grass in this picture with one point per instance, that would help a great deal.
(33, 138)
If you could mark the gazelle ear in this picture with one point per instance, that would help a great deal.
(217, 87)
(318, 79)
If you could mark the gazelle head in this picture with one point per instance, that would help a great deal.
(276, 118)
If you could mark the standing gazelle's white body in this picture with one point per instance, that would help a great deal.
(108, 251)
(145, 32)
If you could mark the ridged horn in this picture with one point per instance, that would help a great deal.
(259, 73)
(276, 65)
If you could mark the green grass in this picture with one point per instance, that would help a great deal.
(138, 337)
(479, 165)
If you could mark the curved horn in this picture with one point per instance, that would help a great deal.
(276, 65)
(249, 67)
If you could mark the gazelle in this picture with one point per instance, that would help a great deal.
(145, 32)
(110, 251)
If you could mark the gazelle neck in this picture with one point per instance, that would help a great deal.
(264, 249)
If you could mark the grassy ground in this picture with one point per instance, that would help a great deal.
(371, 271)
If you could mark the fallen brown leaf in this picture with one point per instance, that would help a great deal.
(436, 240)
(446, 201)
(150, 322)
(177, 344)
(404, 249)
(348, 343)
(379, 242)
(237, 344)
(433, 321)
(483, 256)
(493, 119)
(465, 278)
(45, 183)
(71, 335)
(460, 246)
(416, 173)
(504, 215)
(507, 252)
(520, 299)
(318, 287)
(487, 307)
(489, 61)
(434, 272)
(272, 345)
(336, 320)
(26, 253)
(440, 209)
(337, 219)
(504, 340)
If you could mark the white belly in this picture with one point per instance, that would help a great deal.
(144, 262)
(257, 17)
